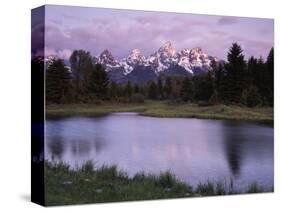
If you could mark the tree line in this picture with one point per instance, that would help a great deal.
(236, 81)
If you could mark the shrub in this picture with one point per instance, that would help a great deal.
(214, 99)
(88, 167)
(220, 189)
(137, 98)
(251, 97)
(206, 189)
(167, 180)
(255, 188)
(202, 103)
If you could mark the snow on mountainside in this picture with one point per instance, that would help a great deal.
(107, 59)
(139, 69)
(48, 60)
(166, 57)
(134, 59)
(162, 59)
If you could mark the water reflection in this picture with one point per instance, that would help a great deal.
(233, 144)
(69, 140)
(56, 147)
(194, 150)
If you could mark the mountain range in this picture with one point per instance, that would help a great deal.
(165, 61)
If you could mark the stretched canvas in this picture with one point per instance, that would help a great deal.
(139, 105)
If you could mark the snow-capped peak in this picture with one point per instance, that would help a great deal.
(165, 58)
(107, 58)
(198, 58)
(184, 52)
(162, 59)
(135, 56)
(136, 53)
(167, 49)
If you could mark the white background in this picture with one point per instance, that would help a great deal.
(15, 104)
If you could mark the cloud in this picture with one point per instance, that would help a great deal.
(147, 19)
(74, 17)
(37, 33)
(253, 47)
(227, 20)
(122, 32)
(56, 35)
(63, 54)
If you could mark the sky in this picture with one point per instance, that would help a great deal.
(95, 29)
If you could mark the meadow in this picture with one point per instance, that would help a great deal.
(89, 184)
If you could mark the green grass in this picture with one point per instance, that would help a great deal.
(164, 109)
(255, 188)
(108, 184)
(91, 109)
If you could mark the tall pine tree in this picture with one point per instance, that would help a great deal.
(270, 76)
(187, 90)
(98, 82)
(235, 74)
(128, 89)
(168, 87)
(58, 82)
(204, 86)
(152, 90)
(160, 87)
(81, 67)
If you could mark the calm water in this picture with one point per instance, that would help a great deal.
(194, 150)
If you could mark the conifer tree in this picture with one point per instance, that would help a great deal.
(220, 81)
(270, 75)
(204, 86)
(252, 71)
(187, 90)
(160, 87)
(136, 88)
(98, 81)
(152, 90)
(235, 74)
(81, 68)
(168, 87)
(58, 82)
(113, 90)
(128, 89)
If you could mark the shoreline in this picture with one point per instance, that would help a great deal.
(162, 109)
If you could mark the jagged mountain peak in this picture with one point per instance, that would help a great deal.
(167, 45)
(107, 58)
(106, 54)
(135, 58)
(167, 49)
(136, 52)
(165, 60)
(196, 50)
(136, 55)
(184, 52)
(198, 57)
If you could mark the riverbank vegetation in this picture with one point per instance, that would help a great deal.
(89, 184)
(164, 109)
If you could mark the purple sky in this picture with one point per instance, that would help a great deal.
(120, 31)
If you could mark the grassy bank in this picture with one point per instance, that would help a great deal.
(108, 184)
(163, 109)
(92, 110)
